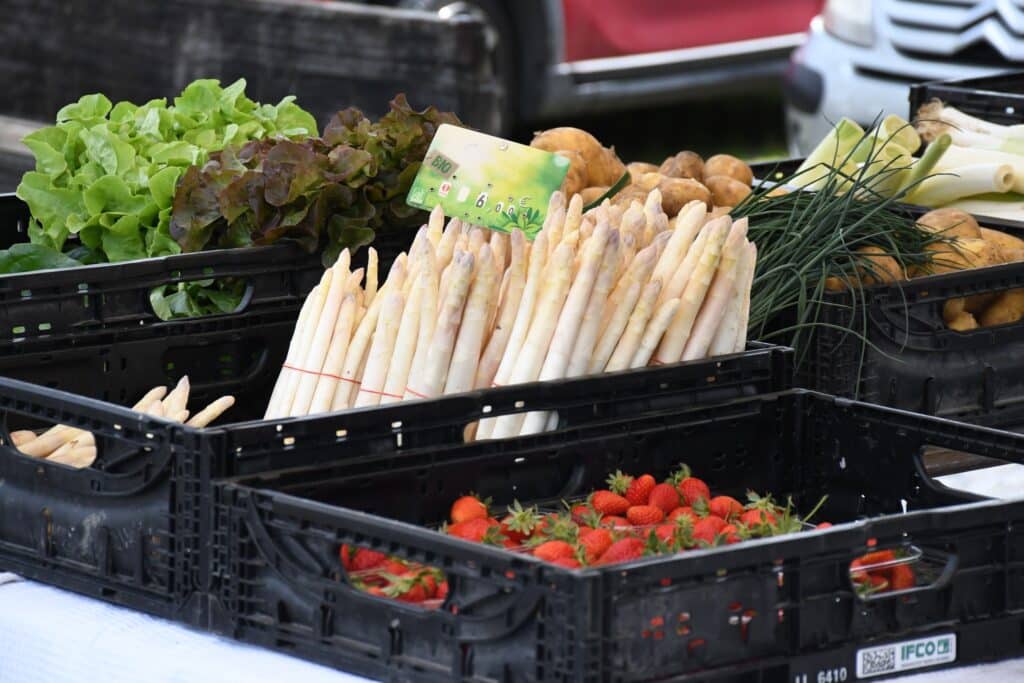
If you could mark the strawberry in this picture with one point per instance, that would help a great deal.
(550, 551)
(442, 590)
(666, 533)
(520, 523)
(664, 496)
(757, 519)
(567, 562)
(725, 507)
(467, 508)
(377, 591)
(595, 543)
(639, 491)
(407, 588)
(623, 550)
(392, 567)
(581, 512)
(478, 531)
(691, 489)
(614, 522)
(366, 559)
(823, 525)
(731, 533)
(877, 557)
(556, 527)
(608, 503)
(684, 511)
(644, 515)
(901, 577)
(706, 530)
(347, 554)
(429, 580)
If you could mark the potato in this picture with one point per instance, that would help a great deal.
(678, 192)
(649, 181)
(591, 194)
(963, 322)
(950, 223)
(728, 165)
(726, 191)
(686, 164)
(960, 254)
(1007, 308)
(574, 139)
(607, 170)
(884, 268)
(576, 179)
(1010, 247)
(638, 168)
(952, 308)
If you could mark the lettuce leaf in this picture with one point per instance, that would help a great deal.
(327, 193)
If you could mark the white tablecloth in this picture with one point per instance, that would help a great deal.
(51, 636)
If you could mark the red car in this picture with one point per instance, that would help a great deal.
(564, 57)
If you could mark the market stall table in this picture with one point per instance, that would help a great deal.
(52, 635)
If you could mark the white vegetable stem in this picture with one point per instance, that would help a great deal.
(590, 327)
(296, 349)
(466, 353)
(728, 330)
(556, 360)
(718, 295)
(313, 362)
(381, 349)
(427, 319)
(741, 334)
(629, 342)
(327, 383)
(405, 345)
(507, 314)
(678, 333)
(621, 305)
(538, 340)
(652, 335)
(432, 377)
(963, 181)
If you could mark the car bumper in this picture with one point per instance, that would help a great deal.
(828, 79)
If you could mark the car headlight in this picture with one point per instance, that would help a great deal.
(850, 20)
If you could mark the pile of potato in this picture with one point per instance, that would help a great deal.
(971, 246)
(721, 181)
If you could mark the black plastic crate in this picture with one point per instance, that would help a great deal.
(779, 609)
(912, 360)
(999, 99)
(148, 501)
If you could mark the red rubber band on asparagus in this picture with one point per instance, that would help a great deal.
(310, 372)
(380, 393)
(415, 393)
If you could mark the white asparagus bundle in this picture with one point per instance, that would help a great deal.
(467, 308)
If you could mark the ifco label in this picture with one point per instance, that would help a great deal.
(909, 654)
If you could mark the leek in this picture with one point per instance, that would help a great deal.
(832, 152)
(1008, 205)
(963, 156)
(963, 181)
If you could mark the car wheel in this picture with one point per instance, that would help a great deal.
(499, 35)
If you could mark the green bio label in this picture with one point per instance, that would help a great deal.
(905, 655)
(487, 181)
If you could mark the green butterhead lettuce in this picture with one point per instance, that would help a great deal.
(107, 173)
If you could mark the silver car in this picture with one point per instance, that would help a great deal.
(861, 56)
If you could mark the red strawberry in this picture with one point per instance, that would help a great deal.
(823, 525)
(706, 530)
(614, 522)
(758, 519)
(377, 591)
(567, 562)
(877, 557)
(690, 488)
(685, 511)
(595, 543)
(580, 513)
(725, 507)
(666, 533)
(901, 577)
(520, 523)
(664, 496)
(644, 515)
(731, 533)
(467, 508)
(635, 489)
(608, 503)
(478, 531)
(557, 527)
(367, 559)
(623, 550)
(347, 554)
(550, 551)
(407, 589)
(392, 567)
(429, 581)
(442, 590)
